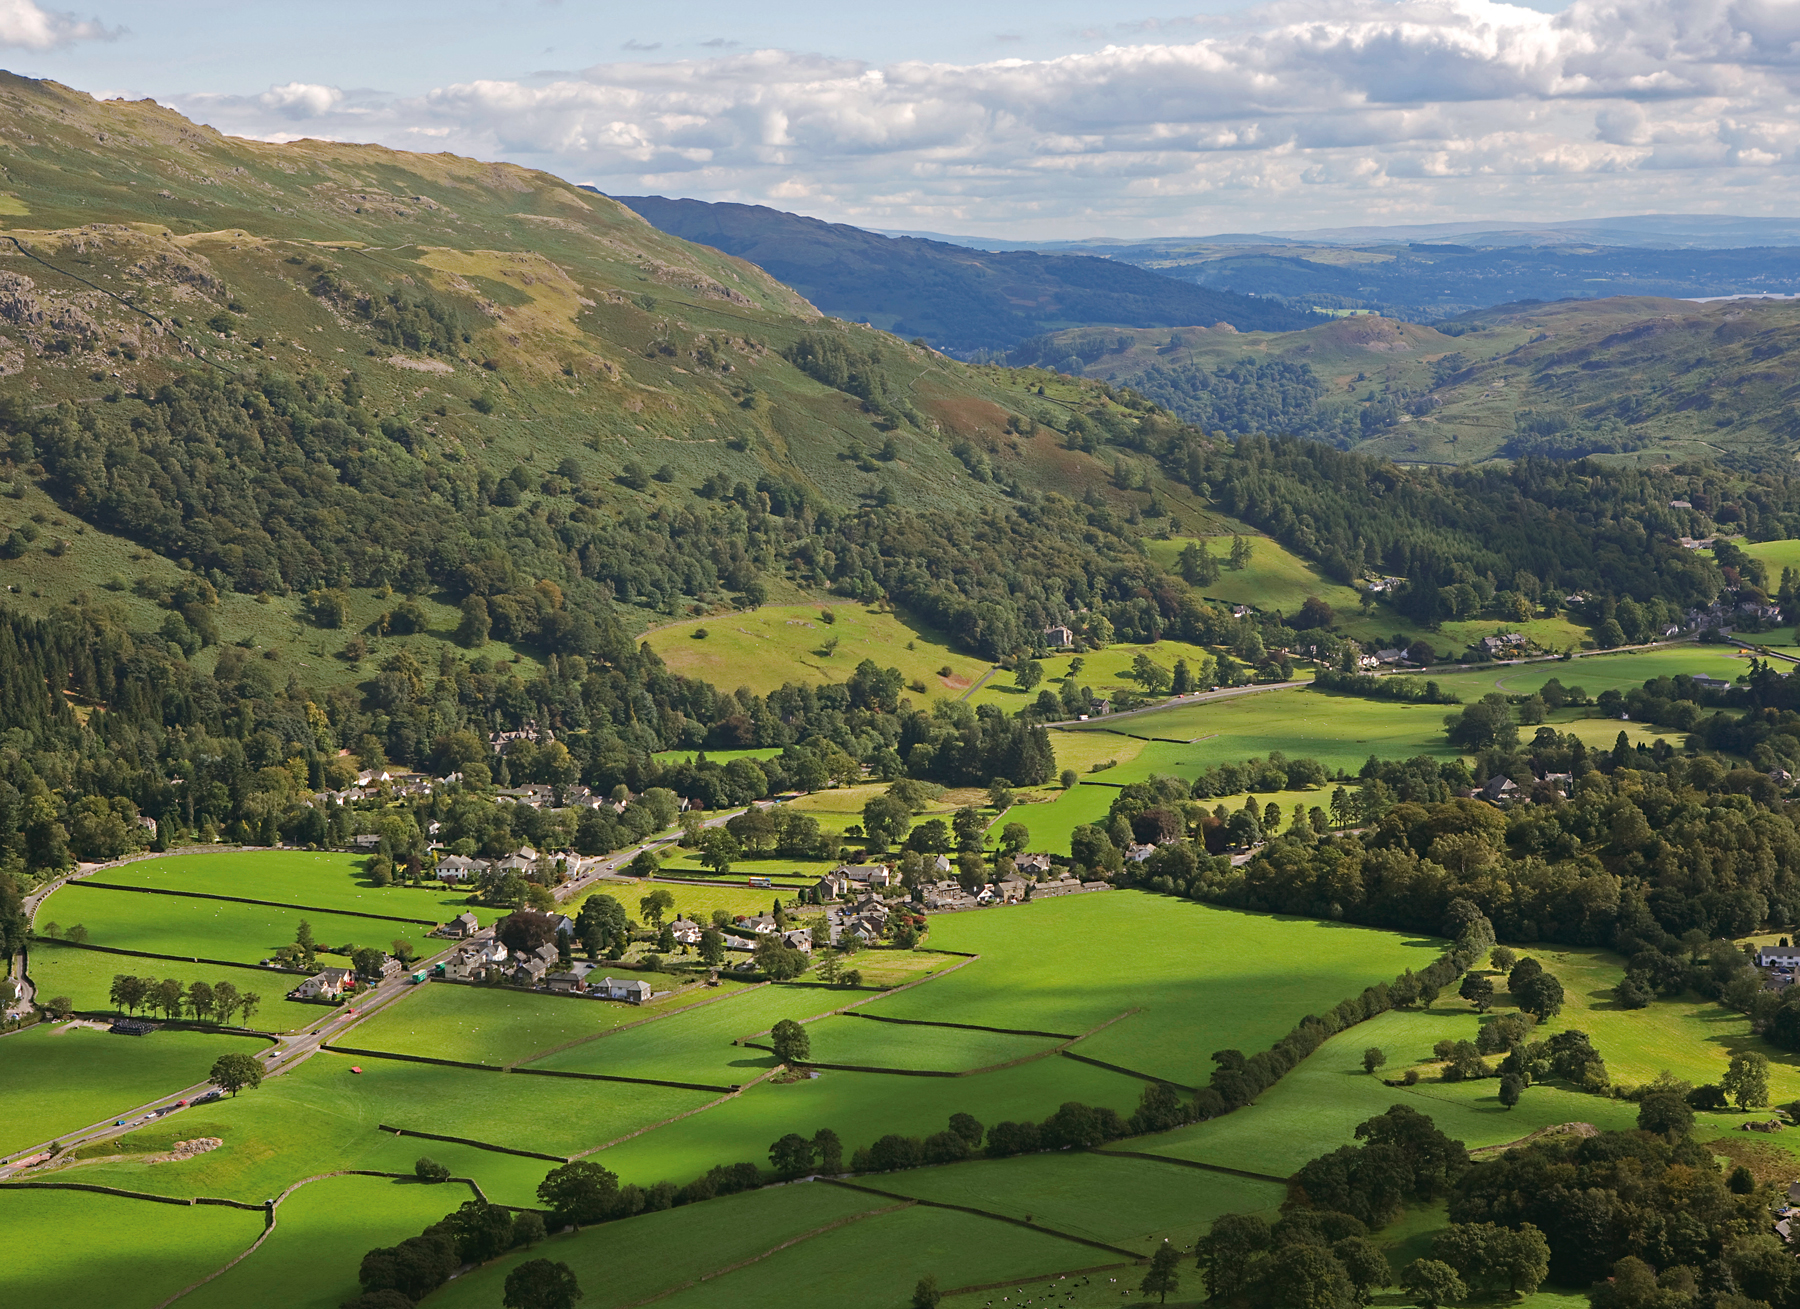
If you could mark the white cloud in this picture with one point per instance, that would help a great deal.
(1301, 110)
(25, 24)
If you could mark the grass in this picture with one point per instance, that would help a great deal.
(208, 929)
(875, 1263)
(624, 1263)
(77, 1247)
(499, 1026)
(763, 648)
(1107, 672)
(85, 976)
(1595, 673)
(1275, 577)
(846, 1040)
(1136, 1203)
(339, 1215)
(60, 1078)
(329, 881)
(696, 1046)
(1201, 978)
(322, 1116)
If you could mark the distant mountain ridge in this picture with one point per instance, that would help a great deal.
(954, 297)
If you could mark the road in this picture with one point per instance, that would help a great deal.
(292, 1049)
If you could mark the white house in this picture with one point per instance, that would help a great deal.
(615, 989)
(1778, 956)
(459, 868)
(327, 984)
(686, 931)
(869, 874)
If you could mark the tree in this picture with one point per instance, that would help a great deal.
(1014, 837)
(1432, 1282)
(718, 848)
(1512, 1089)
(1746, 1081)
(1000, 795)
(528, 1228)
(1665, 1113)
(653, 907)
(236, 1072)
(926, 1294)
(828, 1150)
(540, 1284)
(1374, 1057)
(712, 947)
(430, 1170)
(1477, 990)
(1028, 674)
(200, 999)
(59, 1007)
(600, 921)
(1164, 1275)
(1540, 996)
(792, 1044)
(791, 1155)
(885, 820)
(126, 992)
(580, 1192)
(1240, 553)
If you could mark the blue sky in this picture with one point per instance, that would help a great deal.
(1036, 120)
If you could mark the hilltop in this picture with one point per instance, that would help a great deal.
(953, 296)
(1639, 377)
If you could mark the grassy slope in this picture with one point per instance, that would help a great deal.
(333, 1214)
(85, 976)
(209, 929)
(1187, 968)
(303, 877)
(890, 1045)
(99, 1249)
(766, 647)
(59, 1078)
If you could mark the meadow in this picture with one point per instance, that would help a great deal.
(320, 879)
(765, 647)
(209, 929)
(85, 977)
(1198, 978)
(499, 1025)
(626, 1263)
(78, 1247)
(845, 1040)
(95, 1073)
(1136, 1203)
(338, 1214)
(1107, 672)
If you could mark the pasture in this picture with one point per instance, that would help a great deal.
(209, 929)
(322, 879)
(1136, 1203)
(498, 1025)
(1107, 672)
(85, 976)
(846, 1040)
(343, 1215)
(76, 1247)
(775, 644)
(57, 1078)
(625, 1263)
(1192, 978)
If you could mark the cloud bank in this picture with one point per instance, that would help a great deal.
(26, 26)
(1301, 112)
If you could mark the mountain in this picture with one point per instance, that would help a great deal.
(1638, 379)
(957, 298)
(324, 374)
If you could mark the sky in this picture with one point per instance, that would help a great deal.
(1039, 120)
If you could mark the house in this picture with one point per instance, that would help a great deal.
(1778, 956)
(516, 863)
(466, 965)
(1681, 504)
(548, 953)
(869, 874)
(565, 925)
(940, 864)
(762, 924)
(1498, 789)
(463, 926)
(1036, 863)
(571, 980)
(366, 840)
(387, 968)
(530, 970)
(326, 984)
(615, 989)
(1137, 852)
(1012, 889)
(460, 868)
(798, 938)
(148, 824)
(1707, 683)
(686, 931)
(1057, 636)
(831, 886)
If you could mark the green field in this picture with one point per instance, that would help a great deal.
(625, 1263)
(85, 976)
(1200, 978)
(322, 1116)
(845, 1040)
(208, 929)
(1107, 672)
(59, 1078)
(763, 648)
(1595, 673)
(498, 1025)
(302, 877)
(75, 1247)
(1135, 1203)
(342, 1215)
